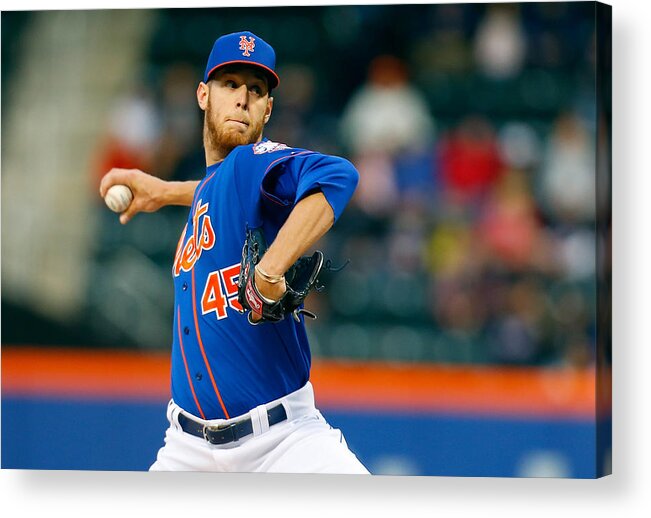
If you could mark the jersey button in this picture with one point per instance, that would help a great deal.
(185, 286)
(186, 330)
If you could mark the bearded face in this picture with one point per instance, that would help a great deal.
(236, 110)
(225, 135)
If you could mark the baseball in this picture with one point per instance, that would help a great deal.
(118, 198)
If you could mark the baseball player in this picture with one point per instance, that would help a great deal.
(241, 396)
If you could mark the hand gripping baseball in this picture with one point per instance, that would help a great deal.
(299, 280)
(150, 193)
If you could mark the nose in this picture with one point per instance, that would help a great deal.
(242, 97)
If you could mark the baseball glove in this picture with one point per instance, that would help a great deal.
(300, 279)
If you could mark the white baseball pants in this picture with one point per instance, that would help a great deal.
(304, 443)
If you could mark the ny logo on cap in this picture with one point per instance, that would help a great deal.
(247, 45)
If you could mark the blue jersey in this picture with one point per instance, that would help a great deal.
(222, 366)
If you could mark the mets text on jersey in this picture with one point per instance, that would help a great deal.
(220, 290)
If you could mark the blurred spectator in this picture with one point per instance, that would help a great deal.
(470, 161)
(450, 251)
(387, 114)
(417, 178)
(568, 175)
(387, 120)
(377, 191)
(132, 135)
(576, 253)
(500, 43)
(519, 146)
(405, 241)
(508, 224)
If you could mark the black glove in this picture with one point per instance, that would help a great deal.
(300, 279)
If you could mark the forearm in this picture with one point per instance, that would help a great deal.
(310, 219)
(178, 193)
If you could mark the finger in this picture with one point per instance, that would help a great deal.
(256, 317)
(114, 177)
(131, 211)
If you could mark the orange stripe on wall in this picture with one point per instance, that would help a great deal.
(468, 389)
(559, 392)
(84, 374)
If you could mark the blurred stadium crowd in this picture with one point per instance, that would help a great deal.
(471, 236)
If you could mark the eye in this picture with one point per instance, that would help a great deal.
(229, 83)
(256, 90)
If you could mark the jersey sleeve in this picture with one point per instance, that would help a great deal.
(303, 173)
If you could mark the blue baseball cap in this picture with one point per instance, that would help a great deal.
(243, 47)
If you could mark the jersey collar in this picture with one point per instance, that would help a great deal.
(212, 168)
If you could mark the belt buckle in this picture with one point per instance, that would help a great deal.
(217, 428)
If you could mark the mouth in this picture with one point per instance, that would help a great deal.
(239, 122)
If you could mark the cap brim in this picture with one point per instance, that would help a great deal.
(274, 80)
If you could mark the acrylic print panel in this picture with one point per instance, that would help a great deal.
(468, 336)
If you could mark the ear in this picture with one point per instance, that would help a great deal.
(267, 112)
(202, 95)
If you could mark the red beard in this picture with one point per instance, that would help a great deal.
(223, 139)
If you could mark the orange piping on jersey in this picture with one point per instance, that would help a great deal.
(198, 191)
(203, 352)
(185, 362)
(194, 307)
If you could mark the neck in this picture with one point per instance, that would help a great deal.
(213, 154)
(213, 158)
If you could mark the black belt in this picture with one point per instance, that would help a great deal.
(224, 434)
